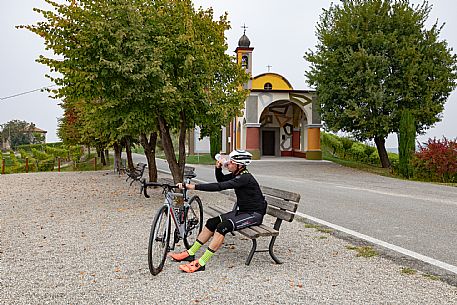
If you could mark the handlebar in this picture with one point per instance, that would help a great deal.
(165, 186)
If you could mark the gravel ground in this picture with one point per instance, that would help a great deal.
(81, 238)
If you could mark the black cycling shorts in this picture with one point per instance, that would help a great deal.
(239, 220)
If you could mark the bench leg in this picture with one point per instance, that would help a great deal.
(251, 254)
(270, 250)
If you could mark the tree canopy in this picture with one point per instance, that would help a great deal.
(136, 68)
(375, 58)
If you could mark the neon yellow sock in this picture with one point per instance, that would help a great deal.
(206, 257)
(197, 244)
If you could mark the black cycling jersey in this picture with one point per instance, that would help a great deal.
(249, 197)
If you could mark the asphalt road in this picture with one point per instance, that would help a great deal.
(419, 217)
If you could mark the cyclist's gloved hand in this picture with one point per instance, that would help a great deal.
(188, 186)
(218, 164)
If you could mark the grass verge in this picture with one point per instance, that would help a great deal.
(364, 251)
(408, 271)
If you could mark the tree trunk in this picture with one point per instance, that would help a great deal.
(107, 155)
(169, 151)
(117, 156)
(150, 152)
(128, 152)
(382, 152)
(182, 145)
(101, 154)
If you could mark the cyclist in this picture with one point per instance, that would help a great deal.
(251, 209)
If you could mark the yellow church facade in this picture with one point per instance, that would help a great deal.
(277, 120)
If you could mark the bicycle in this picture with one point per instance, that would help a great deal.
(187, 218)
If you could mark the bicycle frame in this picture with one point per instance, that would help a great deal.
(175, 213)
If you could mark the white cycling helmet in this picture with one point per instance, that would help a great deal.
(241, 157)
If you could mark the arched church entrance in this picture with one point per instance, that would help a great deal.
(282, 129)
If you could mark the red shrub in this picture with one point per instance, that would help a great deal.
(437, 160)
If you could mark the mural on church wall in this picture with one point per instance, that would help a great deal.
(286, 116)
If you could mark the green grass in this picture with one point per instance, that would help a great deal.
(87, 165)
(408, 271)
(138, 149)
(318, 228)
(364, 251)
(324, 230)
(200, 159)
(378, 170)
(374, 169)
(311, 226)
(194, 159)
(431, 277)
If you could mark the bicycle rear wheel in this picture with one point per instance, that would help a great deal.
(159, 240)
(194, 221)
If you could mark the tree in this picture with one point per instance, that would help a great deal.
(375, 58)
(140, 69)
(406, 143)
(108, 71)
(17, 132)
(202, 83)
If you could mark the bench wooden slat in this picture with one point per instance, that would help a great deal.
(272, 231)
(282, 204)
(276, 202)
(263, 231)
(276, 212)
(280, 193)
(284, 215)
(249, 232)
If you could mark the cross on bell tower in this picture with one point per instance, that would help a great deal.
(244, 27)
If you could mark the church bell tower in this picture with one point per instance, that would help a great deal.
(244, 56)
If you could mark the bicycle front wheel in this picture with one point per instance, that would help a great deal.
(159, 240)
(194, 221)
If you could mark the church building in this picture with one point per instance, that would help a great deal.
(277, 119)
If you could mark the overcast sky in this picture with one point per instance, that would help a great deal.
(280, 32)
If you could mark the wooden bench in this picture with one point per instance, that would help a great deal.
(122, 169)
(282, 205)
(136, 173)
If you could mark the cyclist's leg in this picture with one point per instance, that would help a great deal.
(218, 226)
(202, 238)
(231, 222)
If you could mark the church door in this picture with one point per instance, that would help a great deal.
(268, 142)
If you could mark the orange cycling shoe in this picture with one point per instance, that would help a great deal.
(192, 267)
(182, 256)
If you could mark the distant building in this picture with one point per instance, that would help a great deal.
(32, 131)
(277, 119)
(35, 130)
